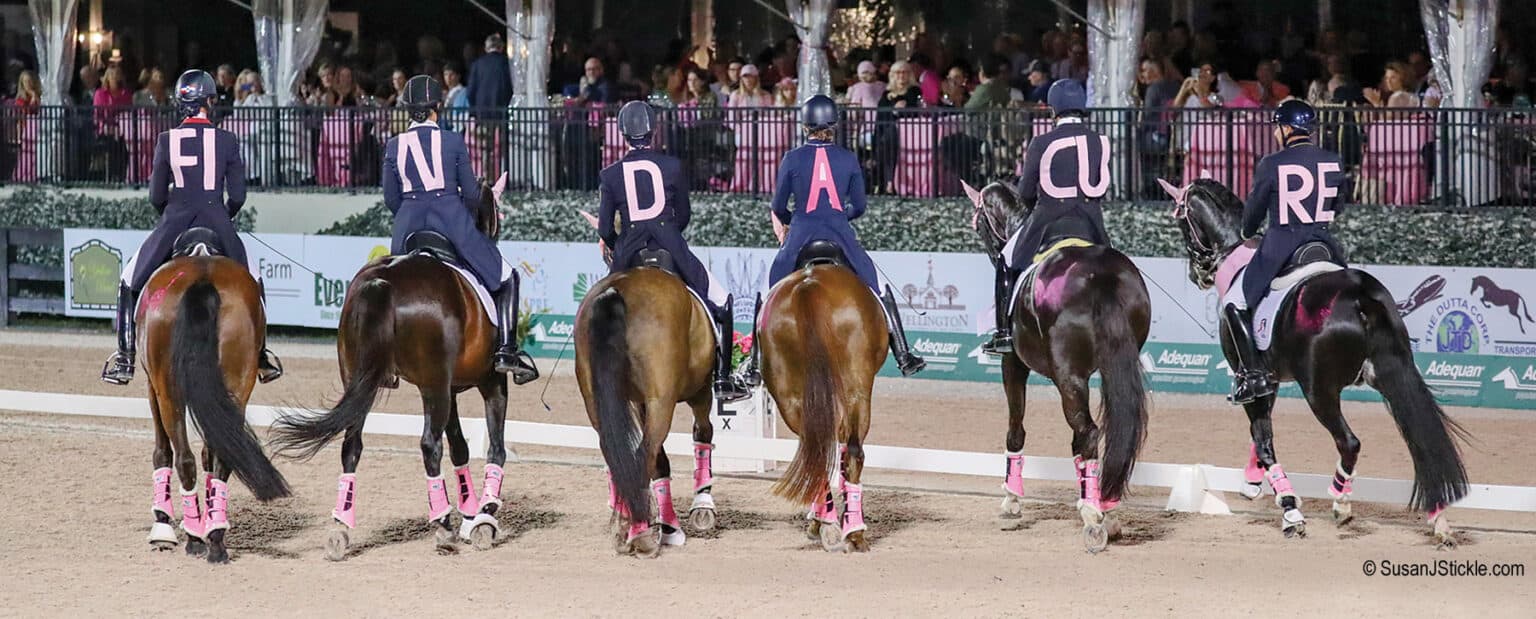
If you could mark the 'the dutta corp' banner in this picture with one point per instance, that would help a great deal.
(1472, 327)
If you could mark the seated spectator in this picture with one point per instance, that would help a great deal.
(751, 92)
(396, 88)
(697, 92)
(1199, 90)
(993, 90)
(154, 92)
(1265, 89)
(1324, 90)
(457, 96)
(869, 89)
(1393, 81)
(956, 89)
(1515, 89)
(594, 86)
(784, 94)
(1039, 82)
(249, 90)
(1075, 65)
(732, 80)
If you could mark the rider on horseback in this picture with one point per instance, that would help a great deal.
(428, 185)
(195, 165)
(1066, 196)
(1298, 188)
(643, 205)
(828, 186)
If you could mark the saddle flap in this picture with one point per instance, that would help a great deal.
(657, 258)
(820, 252)
(433, 244)
(197, 241)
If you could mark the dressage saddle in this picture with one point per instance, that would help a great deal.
(197, 241)
(431, 244)
(820, 252)
(658, 259)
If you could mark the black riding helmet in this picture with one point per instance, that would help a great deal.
(818, 112)
(1298, 115)
(195, 90)
(637, 121)
(423, 95)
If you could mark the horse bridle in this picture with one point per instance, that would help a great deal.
(1204, 256)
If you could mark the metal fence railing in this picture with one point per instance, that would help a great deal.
(1445, 157)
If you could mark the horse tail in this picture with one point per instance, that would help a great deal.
(1122, 394)
(1439, 478)
(370, 329)
(806, 479)
(622, 443)
(198, 382)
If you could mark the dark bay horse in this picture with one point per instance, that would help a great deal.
(202, 329)
(1086, 311)
(823, 338)
(643, 344)
(411, 317)
(1336, 329)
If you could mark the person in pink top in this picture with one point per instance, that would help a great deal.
(751, 93)
(869, 89)
(112, 101)
(928, 80)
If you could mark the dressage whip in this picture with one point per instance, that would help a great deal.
(275, 251)
(552, 369)
(1179, 305)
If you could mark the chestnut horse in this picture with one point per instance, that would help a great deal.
(412, 317)
(202, 325)
(643, 345)
(823, 338)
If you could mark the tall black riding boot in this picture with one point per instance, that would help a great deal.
(119, 368)
(907, 362)
(1002, 293)
(507, 357)
(1251, 380)
(751, 376)
(727, 388)
(269, 367)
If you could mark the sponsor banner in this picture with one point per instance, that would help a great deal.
(1472, 327)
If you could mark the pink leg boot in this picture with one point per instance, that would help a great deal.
(1082, 488)
(1091, 485)
(853, 509)
(346, 500)
(192, 514)
(437, 499)
(1253, 474)
(1291, 521)
(466, 499)
(1343, 483)
(1013, 477)
(492, 496)
(217, 491)
(672, 528)
(162, 501)
(703, 467)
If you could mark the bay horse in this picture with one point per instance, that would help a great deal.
(412, 317)
(1335, 329)
(823, 338)
(1085, 310)
(643, 345)
(202, 328)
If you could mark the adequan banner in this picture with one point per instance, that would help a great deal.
(1472, 327)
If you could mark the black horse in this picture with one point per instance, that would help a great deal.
(1335, 329)
(1086, 311)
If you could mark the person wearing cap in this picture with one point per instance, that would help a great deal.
(643, 205)
(197, 180)
(868, 90)
(1298, 189)
(429, 185)
(1065, 177)
(827, 185)
(751, 93)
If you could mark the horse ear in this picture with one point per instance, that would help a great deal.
(972, 193)
(1174, 192)
(500, 187)
(591, 219)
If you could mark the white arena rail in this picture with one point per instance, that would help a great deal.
(1193, 487)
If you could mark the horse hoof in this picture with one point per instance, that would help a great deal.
(1095, 538)
(445, 539)
(648, 545)
(831, 538)
(1445, 541)
(1252, 491)
(813, 530)
(483, 536)
(1343, 512)
(218, 555)
(162, 546)
(196, 547)
(702, 519)
(1293, 524)
(1112, 528)
(336, 545)
(1013, 507)
(856, 542)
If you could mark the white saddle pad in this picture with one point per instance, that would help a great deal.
(1266, 314)
(480, 292)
